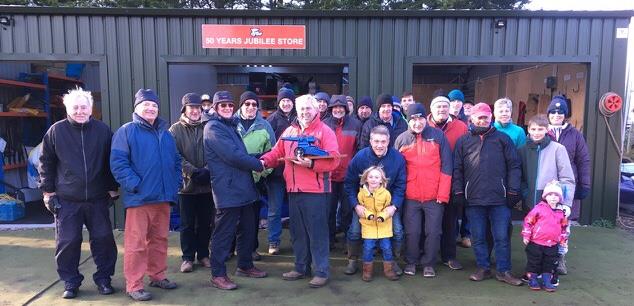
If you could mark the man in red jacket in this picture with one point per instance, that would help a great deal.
(308, 185)
(347, 130)
(453, 129)
(429, 166)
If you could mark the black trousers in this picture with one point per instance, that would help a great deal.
(69, 223)
(232, 222)
(197, 212)
(449, 232)
(541, 259)
(338, 196)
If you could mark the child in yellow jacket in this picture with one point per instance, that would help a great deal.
(376, 225)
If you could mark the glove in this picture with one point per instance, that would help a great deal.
(512, 199)
(459, 200)
(53, 205)
(582, 193)
(201, 176)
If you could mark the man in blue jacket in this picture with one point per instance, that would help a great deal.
(145, 161)
(234, 193)
(378, 154)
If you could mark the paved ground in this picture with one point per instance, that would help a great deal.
(600, 264)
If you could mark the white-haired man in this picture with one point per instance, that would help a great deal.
(79, 189)
(308, 186)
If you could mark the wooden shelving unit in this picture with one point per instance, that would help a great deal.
(13, 83)
(19, 114)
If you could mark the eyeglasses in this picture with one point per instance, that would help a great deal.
(557, 111)
(225, 105)
(250, 104)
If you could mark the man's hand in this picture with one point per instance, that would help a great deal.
(51, 202)
(303, 161)
(114, 196)
(47, 195)
(390, 210)
(360, 210)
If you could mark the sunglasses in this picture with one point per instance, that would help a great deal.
(225, 105)
(250, 104)
(556, 111)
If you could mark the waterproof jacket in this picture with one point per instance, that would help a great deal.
(542, 163)
(517, 134)
(75, 161)
(429, 164)
(280, 122)
(374, 203)
(486, 168)
(347, 130)
(189, 142)
(578, 154)
(545, 226)
(453, 129)
(397, 127)
(299, 178)
(393, 165)
(145, 161)
(258, 139)
(229, 163)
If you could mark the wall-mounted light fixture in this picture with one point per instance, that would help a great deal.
(6, 21)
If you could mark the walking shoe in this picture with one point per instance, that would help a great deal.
(292, 276)
(223, 283)
(140, 295)
(480, 274)
(368, 269)
(533, 283)
(525, 278)
(318, 282)
(163, 284)
(187, 266)
(351, 268)
(508, 278)
(274, 249)
(465, 242)
(256, 256)
(429, 271)
(70, 293)
(253, 272)
(453, 264)
(548, 285)
(397, 269)
(561, 266)
(205, 262)
(410, 269)
(105, 289)
(555, 280)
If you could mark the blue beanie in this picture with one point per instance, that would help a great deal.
(396, 101)
(367, 101)
(559, 103)
(285, 93)
(145, 95)
(456, 95)
(322, 96)
(416, 110)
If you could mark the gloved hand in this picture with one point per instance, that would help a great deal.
(459, 200)
(512, 199)
(201, 176)
(52, 204)
(582, 193)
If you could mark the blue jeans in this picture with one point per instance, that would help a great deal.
(499, 216)
(276, 188)
(354, 232)
(386, 248)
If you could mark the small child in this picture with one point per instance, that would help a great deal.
(376, 225)
(545, 229)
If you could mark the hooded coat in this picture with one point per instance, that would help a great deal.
(374, 203)
(578, 154)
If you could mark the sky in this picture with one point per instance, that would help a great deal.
(581, 5)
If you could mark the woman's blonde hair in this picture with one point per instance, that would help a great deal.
(364, 175)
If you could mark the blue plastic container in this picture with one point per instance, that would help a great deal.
(11, 210)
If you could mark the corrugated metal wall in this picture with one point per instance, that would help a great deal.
(135, 48)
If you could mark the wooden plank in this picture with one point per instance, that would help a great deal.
(6, 82)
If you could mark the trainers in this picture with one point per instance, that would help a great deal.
(256, 256)
(480, 274)
(555, 280)
(205, 262)
(274, 249)
(429, 272)
(292, 275)
(410, 269)
(533, 283)
(223, 283)
(105, 289)
(547, 280)
(453, 264)
(253, 272)
(70, 293)
(508, 278)
(163, 284)
(140, 295)
(397, 269)
(318, 282)
(187, 266)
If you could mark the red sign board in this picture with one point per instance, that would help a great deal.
(225, 36)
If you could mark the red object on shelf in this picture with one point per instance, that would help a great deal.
(17, 114)
(22, 84)
(14, 166)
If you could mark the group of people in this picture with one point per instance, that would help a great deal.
(399, 179)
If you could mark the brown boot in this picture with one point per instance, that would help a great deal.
(388, 270)
(367, 271)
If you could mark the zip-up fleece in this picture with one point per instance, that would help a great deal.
(374, 203)
(189, 141)
(541, 163)
(545, 226)
(486, 167)
(299, 178)
(258, 139)
(75, 161)
(145, 161)
(347, 130)
(429, 164)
